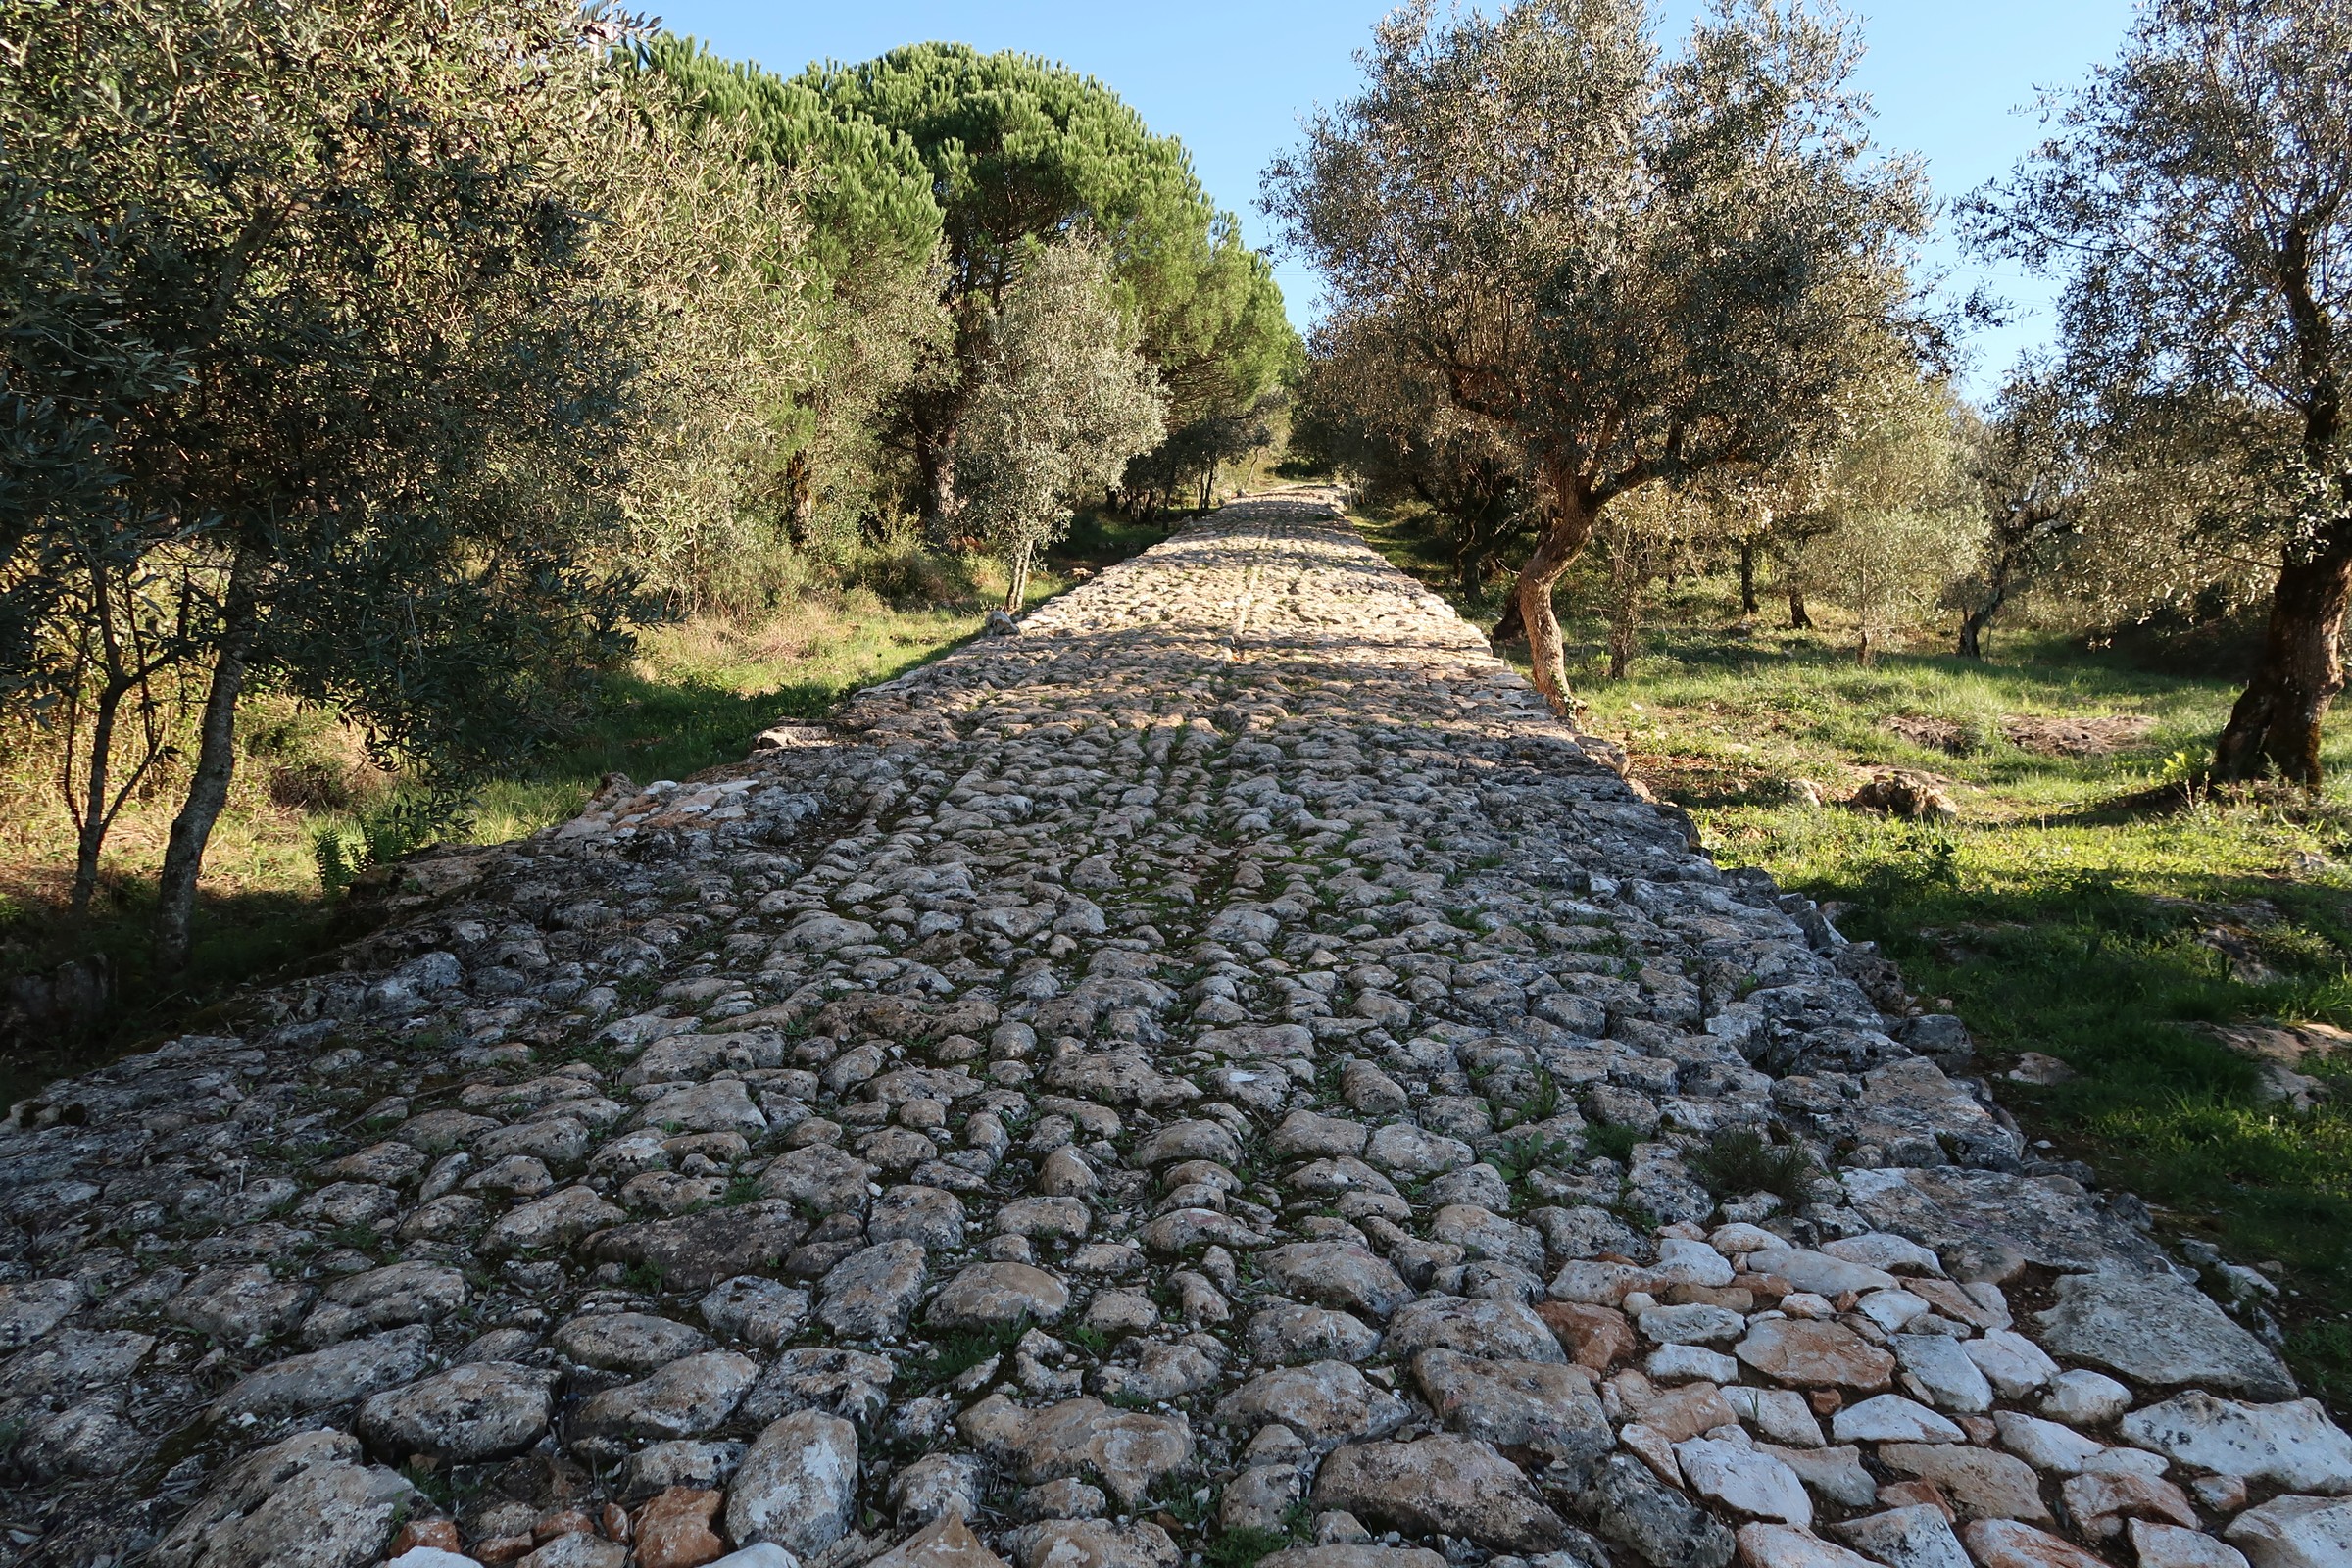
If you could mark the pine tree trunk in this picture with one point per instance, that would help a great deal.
(216, 766)
(1798, 620)
(2274, 730)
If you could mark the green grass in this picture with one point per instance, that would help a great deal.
(2071, 910)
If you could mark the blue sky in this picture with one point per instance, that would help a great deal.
(1232, 77)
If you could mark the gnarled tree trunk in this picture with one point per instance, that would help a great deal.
(1798, 618)
(1973, 624)
(2274, 730)
(1748, 577)
(1566, 530)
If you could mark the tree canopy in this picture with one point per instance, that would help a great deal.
(1019, 152)
(1643, 267)
(2198, 197)
(269, 269)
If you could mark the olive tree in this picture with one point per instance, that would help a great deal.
(1371, 408)
(2030, 468)
(2198, 197)
(1061, 401)
(1901, 520)
(356, 326)
(1643, 266)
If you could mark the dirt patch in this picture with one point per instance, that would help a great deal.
(2092, 736)
(2077, 736)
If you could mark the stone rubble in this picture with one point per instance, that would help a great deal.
(1221, 1075)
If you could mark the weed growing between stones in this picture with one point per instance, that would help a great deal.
(1738, 1162)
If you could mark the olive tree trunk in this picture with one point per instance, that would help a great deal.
(1566, 530)
(2274, 730)
(1016, 590)
(215, 767)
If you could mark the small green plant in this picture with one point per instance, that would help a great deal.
(2321, 1356)
(648, 1278)
(1241, 1549)
(951, 1357)
(408, 824)
(1611, 1141)
(1516, 1157)
(1086, 1337)
(1739, 1161)
(1181, 1501)
(431, 1480)
(1542, 1101)
(2188, 769)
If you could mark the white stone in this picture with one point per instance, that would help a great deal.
(1809, 1306)
(431, 1557)
(766, 1555)
(1691, 1364)
(1688, 1263)
(1892, 1309)
(1892, 1418)
(1940, 1370)
(798, 1486)
(2014, 1364)
(2046, 1445)
(2171, 1547)
(1917, 1536)
(1696, 1324)
(1785, 1546)
(1740, 1238)
(2085, 1398)
(2296, 1531)
(1596, 1284)
(2292, 1445)
(1821, 1273)
(1744, 1481)
(1781, 1414)
(1896, 1255)
(2124, 1461)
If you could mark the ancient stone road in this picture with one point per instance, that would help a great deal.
(1221, 1072)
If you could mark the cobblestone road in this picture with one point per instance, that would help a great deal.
(1222, 1072)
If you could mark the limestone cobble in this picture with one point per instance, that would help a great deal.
(1226, 1057)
